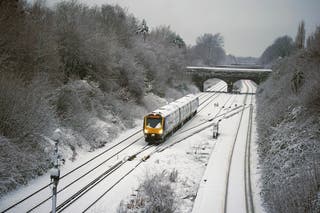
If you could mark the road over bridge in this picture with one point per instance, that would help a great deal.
(228, 74)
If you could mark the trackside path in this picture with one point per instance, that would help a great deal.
(225, 185)
(210, 197)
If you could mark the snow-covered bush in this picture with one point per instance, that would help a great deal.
(25, 120)
(22, 160)
(96, 116)
(24, 109)
(155, 194)
(289, 136)
(151, 102)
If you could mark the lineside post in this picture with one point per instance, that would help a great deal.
(55, 171)
(230, 87)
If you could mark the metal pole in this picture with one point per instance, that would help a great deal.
(55, 174)
(54, 197)
(218, 126)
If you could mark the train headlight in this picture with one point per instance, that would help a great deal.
(146, 131)
(160, 131)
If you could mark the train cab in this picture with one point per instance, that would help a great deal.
(153, 126)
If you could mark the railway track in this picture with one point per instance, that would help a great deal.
(89, 171)
(247, 171)
(246, 161)
(158, 148)
(73, 170)
(204, 125)
(64, 205)
(206, 99)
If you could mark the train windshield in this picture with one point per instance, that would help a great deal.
(153, 122)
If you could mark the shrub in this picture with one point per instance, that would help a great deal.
(22, 160)
(288, 127)
(24, 109)
(155, 194)
(25, 120)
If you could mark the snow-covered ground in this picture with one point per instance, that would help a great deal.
(189, 157)
(221, 189)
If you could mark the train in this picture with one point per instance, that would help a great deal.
(160, 123)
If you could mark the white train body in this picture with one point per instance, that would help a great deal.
(165, 120)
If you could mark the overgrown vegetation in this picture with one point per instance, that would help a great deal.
(281, 48)
(86, 70)
(289, 129)
(155, 194)
(208, 50)
(285, 46)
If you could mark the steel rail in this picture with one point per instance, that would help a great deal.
(210, 119)
(197, 131)
(96, 181)
(231, 155)
(247, 169)
(68, 173)
(116, 183)
(85, 174)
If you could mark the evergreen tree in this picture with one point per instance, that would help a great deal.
(177, 40)
(143, 29)
(301, 35)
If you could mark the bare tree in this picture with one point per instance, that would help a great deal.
(282, 47)
(208, 50)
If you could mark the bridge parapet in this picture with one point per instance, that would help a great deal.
(228, 74)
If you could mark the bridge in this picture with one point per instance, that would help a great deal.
(229, 75)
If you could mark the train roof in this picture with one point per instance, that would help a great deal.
(186, 99)
(192, 96)
(166, 110)
(173, 106)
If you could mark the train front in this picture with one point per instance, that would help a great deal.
(153, 128)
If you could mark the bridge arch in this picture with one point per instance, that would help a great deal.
(243, 79)
(238, 82)
(210, 82)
